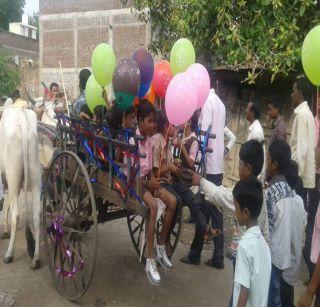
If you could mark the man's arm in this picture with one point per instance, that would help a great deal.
(243, 297)
(299, 155)
(230, 137)
(307, 297)
(218, 195)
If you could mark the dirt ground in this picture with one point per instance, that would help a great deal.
(119, 279)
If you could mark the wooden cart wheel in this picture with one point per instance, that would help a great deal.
(136, 225)
(70, 228)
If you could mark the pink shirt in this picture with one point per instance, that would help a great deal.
(145, 147)
(317, 139)
(315, 248)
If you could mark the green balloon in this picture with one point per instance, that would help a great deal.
(103, 63)
(311, 55)
(182, 56)
(124, 101)
(94, 93)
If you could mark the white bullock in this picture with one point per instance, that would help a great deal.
(19, 163)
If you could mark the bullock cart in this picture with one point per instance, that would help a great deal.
(86, 185)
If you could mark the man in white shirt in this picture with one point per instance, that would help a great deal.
(255, 132)
(303, 145)
(213, 114)
(230, 138)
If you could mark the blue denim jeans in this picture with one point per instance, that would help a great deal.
(274, 299)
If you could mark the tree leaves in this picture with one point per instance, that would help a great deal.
(11, 11)
(9, 76)
(265, 34)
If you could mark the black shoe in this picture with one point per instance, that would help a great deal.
(188, 261)
(215, 264)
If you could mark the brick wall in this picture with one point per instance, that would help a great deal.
(70, 33)
(66, 6)
(19, 45)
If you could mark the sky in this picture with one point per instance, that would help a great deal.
(31, 6)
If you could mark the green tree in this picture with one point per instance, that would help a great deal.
(9, 75)
(34, 20)
(10, 11)
(263, 35)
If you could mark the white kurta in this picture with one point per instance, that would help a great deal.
(302, 143)
(214, 113)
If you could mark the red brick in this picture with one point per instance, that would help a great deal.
(88, 39)
(127, 39)
(58, 45)
(65, 6)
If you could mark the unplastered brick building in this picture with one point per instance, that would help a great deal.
(71, 29)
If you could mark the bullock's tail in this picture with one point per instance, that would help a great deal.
(25, 151)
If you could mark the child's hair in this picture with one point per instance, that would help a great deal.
(251, 153)
(194, 122)
(115, 116)
(248, 194)
(100, 112)
(85, 109)
(145, 108)
(280, 154)
(161, 120)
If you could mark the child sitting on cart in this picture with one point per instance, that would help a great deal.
(164, 167)
(151, 187)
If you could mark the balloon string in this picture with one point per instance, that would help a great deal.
(183, 137)
(161, 152)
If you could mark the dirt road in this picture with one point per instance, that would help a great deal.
(119, 279)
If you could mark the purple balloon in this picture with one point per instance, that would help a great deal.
(181, 99)
(146, 65)
(201, 82)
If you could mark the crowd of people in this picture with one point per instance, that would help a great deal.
(275, 204)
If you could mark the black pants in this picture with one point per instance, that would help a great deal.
(311, 207)
(286, 293)
(216, 217)
(199, 210)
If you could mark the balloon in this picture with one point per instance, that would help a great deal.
(126, 81)
(181, 99)
(143, 90)
(103, 63)
(182, 56)
(311, 55)
(151, 95)
(94, 93)
(146, 65)
(201, 82)
(162, 77)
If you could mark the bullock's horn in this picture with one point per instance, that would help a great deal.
(30, 98)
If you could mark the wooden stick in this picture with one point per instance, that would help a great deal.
(183, 137)
(161, 155)
(64, 88)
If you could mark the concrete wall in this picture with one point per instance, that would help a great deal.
(71, 29)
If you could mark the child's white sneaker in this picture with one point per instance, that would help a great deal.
(163, 258)
(152, 271)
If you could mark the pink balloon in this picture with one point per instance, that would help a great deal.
(201, 82)
(181, 99)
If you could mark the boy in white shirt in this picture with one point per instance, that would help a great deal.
(253, 265)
